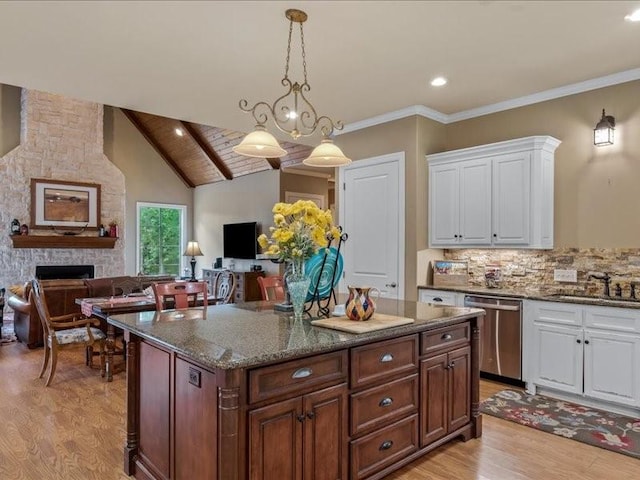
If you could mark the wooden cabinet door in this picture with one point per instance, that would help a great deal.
(325, 434)
(557, 357)
(612, 366)
(196, 414)
(459, 370)
(511, 199)
(444, 204)
(275, 441)
(475, 202)
(154, 411)
(433, 403)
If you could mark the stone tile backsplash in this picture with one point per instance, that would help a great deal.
(532, 270)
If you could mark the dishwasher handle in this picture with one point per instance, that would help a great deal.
(491, 306)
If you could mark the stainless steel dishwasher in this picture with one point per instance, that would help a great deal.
(501, 353)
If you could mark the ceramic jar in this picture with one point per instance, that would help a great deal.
(360, 306)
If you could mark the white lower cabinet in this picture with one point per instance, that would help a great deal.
(563, 352)
(440, 297)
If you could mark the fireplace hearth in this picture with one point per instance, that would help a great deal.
(62, 272)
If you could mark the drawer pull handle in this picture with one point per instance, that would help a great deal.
(437, 299)
(302, 373)
(300, 418)
(446, 336)
(386, 445)
(385, 402)
(387, 357)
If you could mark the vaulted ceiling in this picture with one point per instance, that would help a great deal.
(201, 154)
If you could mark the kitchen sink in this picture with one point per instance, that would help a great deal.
(593, 300)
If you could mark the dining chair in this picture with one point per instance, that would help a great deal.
(65, 331)
(184, 294)
(271, 288)
(224, 286)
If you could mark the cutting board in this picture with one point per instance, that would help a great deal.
(378, 321)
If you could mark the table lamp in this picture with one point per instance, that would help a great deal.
(193, 251)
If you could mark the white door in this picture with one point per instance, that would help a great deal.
(557, 357)
(475, 202)
(444, 208)
(372, 214)
(511, 198)
(612, 366)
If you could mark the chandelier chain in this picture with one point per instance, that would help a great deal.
(286, 68)
(304, 55)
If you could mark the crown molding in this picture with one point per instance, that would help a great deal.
(421, 110)
(308, 173)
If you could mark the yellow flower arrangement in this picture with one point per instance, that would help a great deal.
(300, 230)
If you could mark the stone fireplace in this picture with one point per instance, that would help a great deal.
(60, 139)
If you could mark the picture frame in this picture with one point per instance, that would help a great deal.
(64, 204)
(292, 197)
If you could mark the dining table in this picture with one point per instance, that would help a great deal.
(102, 307)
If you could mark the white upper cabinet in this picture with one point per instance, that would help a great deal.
(496, 195)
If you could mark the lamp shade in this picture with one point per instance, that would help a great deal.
(193, 250)
(261, 144)
(327, 154)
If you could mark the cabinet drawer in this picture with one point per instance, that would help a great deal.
(376, 362)
(383, 447)
(445, 338)
(379, 405)
(297, 376)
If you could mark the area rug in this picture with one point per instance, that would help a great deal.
(7, 333)
(588, 425)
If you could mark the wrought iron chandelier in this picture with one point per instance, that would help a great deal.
(293, 114)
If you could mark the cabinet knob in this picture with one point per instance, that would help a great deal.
(302, 373)
(386, 445)
(311, 415)
(385, 402)
(586, 342)
(578, 341)
(495, 235)
(387, 357)
(455, 236)
(301, 418)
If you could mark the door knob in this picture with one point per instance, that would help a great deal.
(392, 284)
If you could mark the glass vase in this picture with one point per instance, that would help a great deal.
(297, 285)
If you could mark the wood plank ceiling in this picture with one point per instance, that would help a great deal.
(203, 154)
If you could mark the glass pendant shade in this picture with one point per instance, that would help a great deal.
(327, 154)
(261, 144)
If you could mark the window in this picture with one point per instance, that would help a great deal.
(161, 235)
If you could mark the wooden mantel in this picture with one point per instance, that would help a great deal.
(61, 241)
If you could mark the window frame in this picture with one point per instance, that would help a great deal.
(183, 230)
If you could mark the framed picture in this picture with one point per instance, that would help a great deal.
(71, 205)
(291, 197)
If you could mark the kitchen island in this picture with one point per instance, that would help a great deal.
(238, 392)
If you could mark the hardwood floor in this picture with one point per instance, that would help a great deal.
(74, 430)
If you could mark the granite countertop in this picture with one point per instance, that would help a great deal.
(545, 294)
(251, 334)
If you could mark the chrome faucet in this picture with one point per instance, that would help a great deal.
(606, 279)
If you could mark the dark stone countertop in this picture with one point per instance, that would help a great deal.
(251, 334)
(545, 294)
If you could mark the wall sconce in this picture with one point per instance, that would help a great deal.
(603, 133)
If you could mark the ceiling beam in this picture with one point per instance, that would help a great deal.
(207, 150)
(274, 162)
(131, 115)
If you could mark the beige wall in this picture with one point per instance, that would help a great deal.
(249, 198)
(9, 118)
(290, 182)
(412, 136)
(148, 178)
(596, 188)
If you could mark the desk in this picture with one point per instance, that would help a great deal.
(102, 307)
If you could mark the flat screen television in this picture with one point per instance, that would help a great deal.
(240, 240)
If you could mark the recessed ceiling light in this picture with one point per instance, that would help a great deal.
(438, 82)
(634, 17)
(179, 132)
